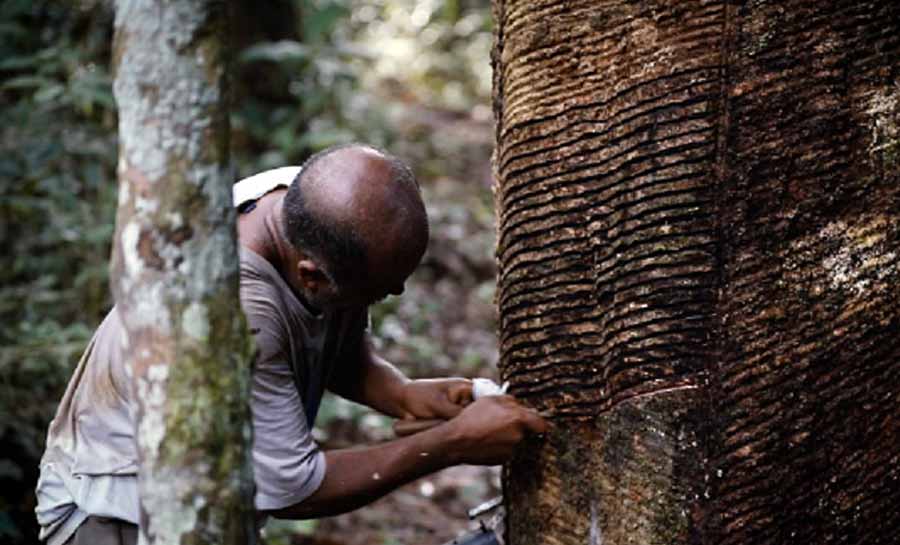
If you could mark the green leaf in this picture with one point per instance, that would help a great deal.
(277, 52)
(11, 471)
(12, 30)
(319, 23)
(17, 63)
(322, 139)
(27, 82)
(50, 92)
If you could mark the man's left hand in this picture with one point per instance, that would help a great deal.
(440, 398)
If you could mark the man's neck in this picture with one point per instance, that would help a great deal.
(260, 231)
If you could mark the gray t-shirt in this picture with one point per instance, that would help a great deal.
(90, 464)
(298, 354)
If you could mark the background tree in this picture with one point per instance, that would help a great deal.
(699, 254)
(175, 273)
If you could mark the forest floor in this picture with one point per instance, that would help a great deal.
(443, 325)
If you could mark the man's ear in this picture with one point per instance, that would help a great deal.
(311, 276)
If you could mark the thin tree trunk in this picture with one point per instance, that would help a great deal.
(699, 260)
(175, 273)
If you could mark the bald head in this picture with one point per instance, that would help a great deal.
(359, 211)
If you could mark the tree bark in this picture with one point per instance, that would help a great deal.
(175, 273)
(699, 253)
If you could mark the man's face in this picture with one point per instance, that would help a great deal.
(389, 218)
(370, 289)
(357, 296)
(387, 274)
(362, 294)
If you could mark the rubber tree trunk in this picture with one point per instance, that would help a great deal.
(699, 261)
(175, 273)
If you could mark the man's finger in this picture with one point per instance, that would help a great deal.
(534, 422)
(461, 393)
(446, 408)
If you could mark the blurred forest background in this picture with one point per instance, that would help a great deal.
(412, 76)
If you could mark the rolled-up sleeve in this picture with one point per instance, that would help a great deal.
(288, 465)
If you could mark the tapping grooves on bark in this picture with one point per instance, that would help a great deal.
(698, 239)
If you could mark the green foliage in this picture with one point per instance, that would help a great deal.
(57, 198)
(437, 49)
(318, 84)
(353, 70)
(283, 532)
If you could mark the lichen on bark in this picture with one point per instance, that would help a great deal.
(175, 278)
(884, 109)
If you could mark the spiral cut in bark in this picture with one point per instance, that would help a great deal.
(698, 252)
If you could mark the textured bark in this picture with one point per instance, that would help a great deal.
(699, 254)
(175, 274)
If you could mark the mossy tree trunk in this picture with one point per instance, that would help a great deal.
(175, 273)
(699, 261)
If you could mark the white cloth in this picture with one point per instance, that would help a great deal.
(254, 187)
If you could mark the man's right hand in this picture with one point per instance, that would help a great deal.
(488, 430)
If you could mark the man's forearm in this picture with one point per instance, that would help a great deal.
(484, 433)
(378, 384)
(356, 477)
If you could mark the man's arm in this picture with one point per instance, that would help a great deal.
(381, 386)
(485, 433)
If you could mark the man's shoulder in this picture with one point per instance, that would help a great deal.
(254, 267)
(260, 289)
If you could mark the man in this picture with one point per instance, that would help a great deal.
(319, 244)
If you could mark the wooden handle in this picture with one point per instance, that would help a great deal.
(402, 428)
